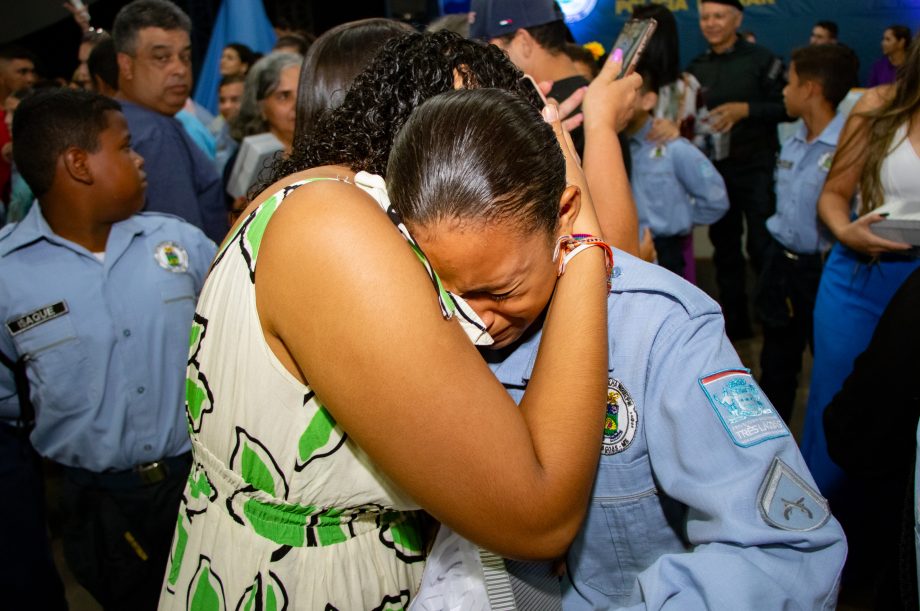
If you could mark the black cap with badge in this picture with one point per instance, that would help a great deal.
(495, 18)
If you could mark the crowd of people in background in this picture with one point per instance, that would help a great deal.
(294, 437)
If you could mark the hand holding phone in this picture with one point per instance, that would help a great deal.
(610, 100)
(632, 40)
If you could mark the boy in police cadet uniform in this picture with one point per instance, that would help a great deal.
(96, 300)
(675, 186)
(702, 499)
(819, 78)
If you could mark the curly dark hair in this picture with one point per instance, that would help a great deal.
(407, 71)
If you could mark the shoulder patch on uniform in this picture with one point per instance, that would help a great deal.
(787, 502)
(826, 161)
(744, 410)
(622, 419)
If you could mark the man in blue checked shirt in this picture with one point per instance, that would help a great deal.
(675, 186)
(96, 302)
(819, 78)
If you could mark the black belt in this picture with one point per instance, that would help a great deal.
(144, 474)
(798, 256)
(795, 256)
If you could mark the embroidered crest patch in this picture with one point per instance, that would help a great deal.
(744, 410)
(171, 257)
(622, 419)
(786, 501)
(825, 162)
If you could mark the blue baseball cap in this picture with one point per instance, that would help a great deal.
(494, 18)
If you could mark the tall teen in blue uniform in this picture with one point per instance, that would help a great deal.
(98, 301)
(819, 78)
(701, 500)
(675, 186)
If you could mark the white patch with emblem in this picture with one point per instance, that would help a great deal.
(744, 410)
(622, 419)
(171, 257)
(787, 502)
(825, 162)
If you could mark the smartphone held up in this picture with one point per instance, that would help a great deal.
(631, 42)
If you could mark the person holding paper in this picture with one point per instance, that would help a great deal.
(878, 152)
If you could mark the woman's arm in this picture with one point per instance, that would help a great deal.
(351, 305)
(843, 180)
(607, 107)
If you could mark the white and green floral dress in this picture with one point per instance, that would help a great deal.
(282, 510)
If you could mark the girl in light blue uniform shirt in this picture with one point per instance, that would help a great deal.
(702, 499)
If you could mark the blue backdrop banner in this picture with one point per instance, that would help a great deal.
(242, 21)
(780, 25)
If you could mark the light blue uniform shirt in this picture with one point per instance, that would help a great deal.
(687, 487)
(675, 186)
(800, 173)
(106, 342)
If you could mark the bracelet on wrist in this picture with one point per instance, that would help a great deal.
(568, 246)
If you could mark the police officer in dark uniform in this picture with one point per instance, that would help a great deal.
(742, 87)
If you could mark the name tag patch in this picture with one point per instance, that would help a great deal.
(622, 419)
(784, 164)
(745, 412)
(787, 502)
(39, 316)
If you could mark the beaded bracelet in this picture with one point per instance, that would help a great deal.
(570, 245)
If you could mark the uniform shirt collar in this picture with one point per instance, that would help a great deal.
(141, 108)
(514, 365)
(640, 136)
(34, 227)
(828, 136)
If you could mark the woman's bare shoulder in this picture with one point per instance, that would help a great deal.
(874, 98)
(325, 225)
(334, 203)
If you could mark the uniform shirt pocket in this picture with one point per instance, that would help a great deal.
(57, 363)
(177, 289)
(625, 533)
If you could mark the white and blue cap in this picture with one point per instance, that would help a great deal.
(494, 18)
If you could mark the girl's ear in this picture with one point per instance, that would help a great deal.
(569, 207)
